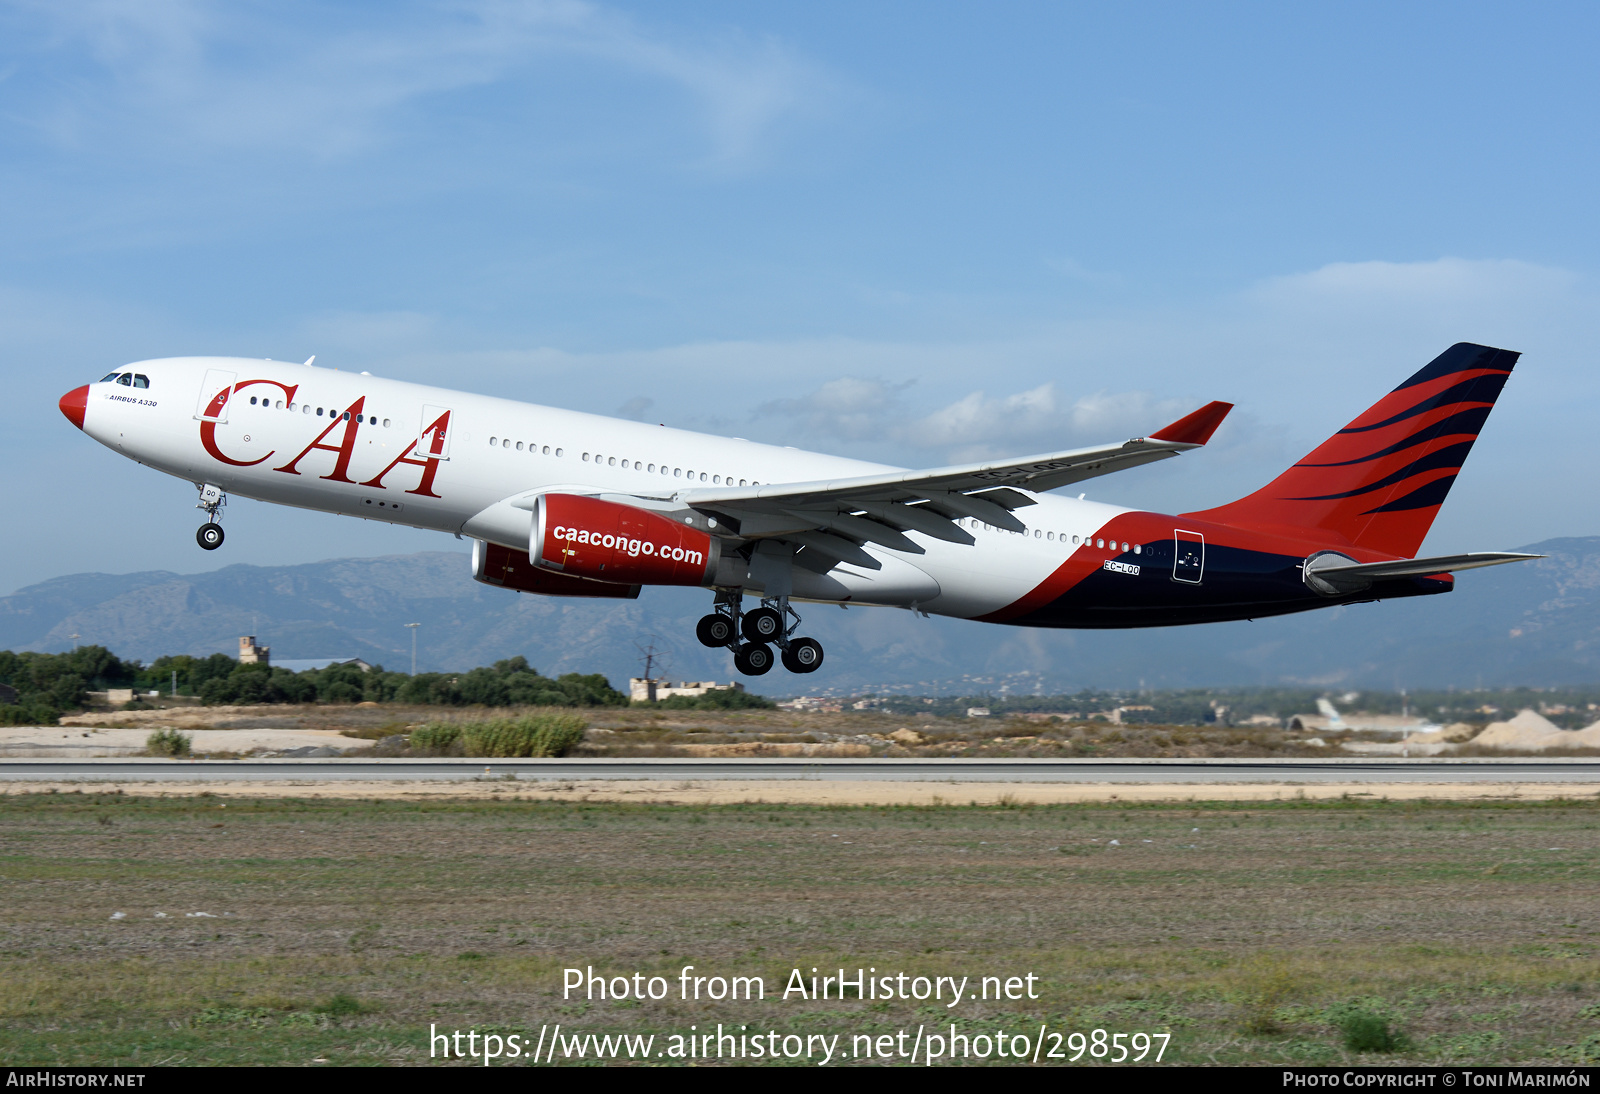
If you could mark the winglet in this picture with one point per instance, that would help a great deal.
(1197, 427)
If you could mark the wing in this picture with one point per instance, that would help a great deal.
(832, 518)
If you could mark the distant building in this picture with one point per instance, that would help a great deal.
(815, 703)
(252, 654)
(311, 664)
(644, 690)
(977, 712)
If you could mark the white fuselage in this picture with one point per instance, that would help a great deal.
(263, 444)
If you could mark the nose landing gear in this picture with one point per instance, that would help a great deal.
(760, 629)
(212, 499)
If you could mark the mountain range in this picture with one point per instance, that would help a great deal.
(1532, 623)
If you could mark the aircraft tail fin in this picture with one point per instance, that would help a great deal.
(1378, 482)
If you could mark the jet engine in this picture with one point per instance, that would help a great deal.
(493, 564)
(606, 541)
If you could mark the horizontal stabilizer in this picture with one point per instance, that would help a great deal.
(1332, 574)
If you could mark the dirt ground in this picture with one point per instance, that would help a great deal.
(299, 930)
(644, 731)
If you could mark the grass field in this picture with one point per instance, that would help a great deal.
(339, 931)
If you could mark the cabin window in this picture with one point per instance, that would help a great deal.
(1138, 549)
(493, 441)
(677, 472)
(612, 462)
(519, 446)
(586, 457)
(345, 416)
(280, 404)
(559, 451)
(141, 380)
(386, 423)
(252, 400)
(319, 412)
(1037, 533)
(716, 478)
(125, 379)
(372, 420)
(109, 377)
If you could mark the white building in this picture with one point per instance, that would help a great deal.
(643, 690)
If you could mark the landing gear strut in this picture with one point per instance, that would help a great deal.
(212, 499)
(760, 628)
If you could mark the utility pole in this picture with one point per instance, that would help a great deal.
(413, 627)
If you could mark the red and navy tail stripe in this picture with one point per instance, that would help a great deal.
(1379, 482)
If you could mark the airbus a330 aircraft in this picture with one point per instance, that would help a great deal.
(569, 504)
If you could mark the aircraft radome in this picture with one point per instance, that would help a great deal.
(570, 504)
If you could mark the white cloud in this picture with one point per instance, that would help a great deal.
(849, 408)
(1457, 281)
(187, 71)
(980, 427)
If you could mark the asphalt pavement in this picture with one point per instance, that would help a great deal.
(918, 770)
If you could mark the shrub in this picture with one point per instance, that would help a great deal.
(340, 1006)
(718, 700)
(1365, 1030)
(168, 742)
(534, 735)
(435, 738)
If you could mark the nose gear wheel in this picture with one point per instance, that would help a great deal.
(212, 499)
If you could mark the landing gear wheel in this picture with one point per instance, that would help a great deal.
(803, 655)
(762, 625)
(714, 630)
(753, 659)
(209, 536)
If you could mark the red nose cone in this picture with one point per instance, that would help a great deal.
(73, 404)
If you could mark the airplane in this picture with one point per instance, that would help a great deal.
(564, 503)
(1399, 726)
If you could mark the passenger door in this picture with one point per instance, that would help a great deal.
(1189, 558)
(214, 395)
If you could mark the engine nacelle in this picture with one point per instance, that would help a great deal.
(606, 541)
(493, 564)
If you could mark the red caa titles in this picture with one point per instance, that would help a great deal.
(587, 537)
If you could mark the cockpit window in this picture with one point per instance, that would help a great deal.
(109, 377)
(141, 380)
(125, 379)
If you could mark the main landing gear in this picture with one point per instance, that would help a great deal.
(751, 635)
(212, 499)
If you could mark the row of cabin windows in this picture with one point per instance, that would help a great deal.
(633, 465)
(305, 408)
(1039, 533)
(531, 448)
(127, 379)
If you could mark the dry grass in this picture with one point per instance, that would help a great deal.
(1472, 926)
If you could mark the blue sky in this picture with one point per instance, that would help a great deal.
(910, 232)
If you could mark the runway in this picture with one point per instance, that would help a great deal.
(1153, 771)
